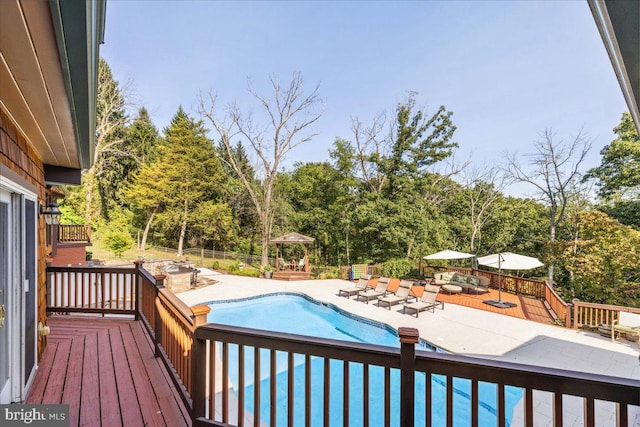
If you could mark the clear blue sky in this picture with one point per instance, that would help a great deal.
(507, 70)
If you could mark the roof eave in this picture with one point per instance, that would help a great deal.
(79, 29)
(619, 26)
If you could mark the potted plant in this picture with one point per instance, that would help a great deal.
(266, 271)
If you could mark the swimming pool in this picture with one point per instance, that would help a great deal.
(298, 314)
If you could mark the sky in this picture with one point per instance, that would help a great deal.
(507, 70)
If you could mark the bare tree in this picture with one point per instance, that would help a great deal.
(484, 186)
(290, 113)
(554, 171)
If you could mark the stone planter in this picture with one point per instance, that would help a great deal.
(267, 274)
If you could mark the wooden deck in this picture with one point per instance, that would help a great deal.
(105, 369)
(527, 307)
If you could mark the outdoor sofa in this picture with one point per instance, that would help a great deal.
(469, 284)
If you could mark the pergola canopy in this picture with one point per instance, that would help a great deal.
(293, 238)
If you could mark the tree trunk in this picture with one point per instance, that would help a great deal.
(146, 229)
(183, 229)
(552, 238)
(264, 260)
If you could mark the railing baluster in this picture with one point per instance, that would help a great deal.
(500, 406)
(272, 387)
(557, 410)
(387, 396)
(365, 393)
(225, 382)
(256, 386)
(622, 415)
(428, 395)
(528, 406)
(212, 379)
(449, 392)
(327, 390)
(240, 385)
(474, 403)
(589, 412)
(290, 390)
(345, 393)
(307, 390)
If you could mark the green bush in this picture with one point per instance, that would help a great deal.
(216, 265)
(397, 268)
(118, 242)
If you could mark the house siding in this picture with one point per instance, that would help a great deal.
(21, 160)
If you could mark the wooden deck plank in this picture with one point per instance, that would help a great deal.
(55, 384)
(90, 396)
(104, 368)
(149, 407)
(40, 381)
(73, 381)
(109, 405)
(129, 405)
(173, 410)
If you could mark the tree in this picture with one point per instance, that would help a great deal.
(110, 133)
(187, 171)
(554, 173)
(290, 113)
(483, 189)
(618, 176)
(604, 260)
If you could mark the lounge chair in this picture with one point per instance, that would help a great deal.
(426, 302)
(360, 286)
(379, 291)
(402, 294)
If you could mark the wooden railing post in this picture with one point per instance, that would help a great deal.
(157, 321)
(198, 352)
(138, 284)
(575, 303)
(567, 316)
(200, 315)
(408, 340)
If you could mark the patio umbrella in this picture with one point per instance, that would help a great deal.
(507, 261)
(448, 254)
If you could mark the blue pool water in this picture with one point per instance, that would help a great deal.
(298, 315)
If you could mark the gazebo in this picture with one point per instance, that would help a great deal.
(292, 269)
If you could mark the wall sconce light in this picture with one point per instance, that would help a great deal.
(51, 214)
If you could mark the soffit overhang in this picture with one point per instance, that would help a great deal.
(618, 22)
(48, 75)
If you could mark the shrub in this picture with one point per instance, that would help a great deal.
(398, 268)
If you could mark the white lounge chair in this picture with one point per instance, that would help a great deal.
(402, 294)
(426, 302)
(379, 291)
(360, 286)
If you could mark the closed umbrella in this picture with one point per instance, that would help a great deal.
(507, 261)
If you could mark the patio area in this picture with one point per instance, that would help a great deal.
(105, 370)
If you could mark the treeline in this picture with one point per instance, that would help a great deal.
(389, 191)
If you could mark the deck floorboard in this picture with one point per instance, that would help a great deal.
(105, 369)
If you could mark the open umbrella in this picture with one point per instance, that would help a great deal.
(448, 254)
(507, 261)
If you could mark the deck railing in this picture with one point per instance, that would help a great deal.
(591, 314)
(73, 233)
(91, 290)
(392, 386)
(201, 358)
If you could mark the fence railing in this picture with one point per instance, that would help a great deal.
(209, 364)
(591, 314)
(73, 233)
(284, 379)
